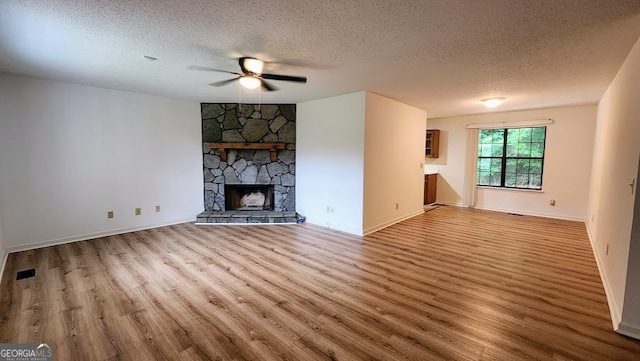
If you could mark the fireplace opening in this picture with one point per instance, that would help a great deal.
(248, 197)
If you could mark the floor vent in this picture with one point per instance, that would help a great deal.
(515, 214)
(26, 274)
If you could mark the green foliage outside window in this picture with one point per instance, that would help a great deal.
(511, 158)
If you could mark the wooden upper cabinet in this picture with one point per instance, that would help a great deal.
(432, 143)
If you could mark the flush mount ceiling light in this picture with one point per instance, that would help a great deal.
(249, 81)
(492, 102)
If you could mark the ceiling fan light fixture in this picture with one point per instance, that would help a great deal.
(249, 81)
(492, 102)
(251, 75)
(254, 65)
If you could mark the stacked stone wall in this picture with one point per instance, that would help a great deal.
(249, 123)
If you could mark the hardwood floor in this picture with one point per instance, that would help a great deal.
(451, 284)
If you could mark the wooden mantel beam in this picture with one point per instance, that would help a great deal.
(272, 147)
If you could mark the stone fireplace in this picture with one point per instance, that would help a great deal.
(248, 156)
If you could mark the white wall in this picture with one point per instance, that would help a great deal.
(393, 160)
(357, 155)
(70, 153)
(329, 161)
(611, 202)
(630, 324)
(566, 173)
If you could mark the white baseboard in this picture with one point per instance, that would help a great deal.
(629, 330)
(614, 310)
(55, 242)
(394, 221)
(534, 214)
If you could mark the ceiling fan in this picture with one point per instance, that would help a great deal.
(251, 76)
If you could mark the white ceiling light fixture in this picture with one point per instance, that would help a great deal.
(249, 81)
(492, 102)
(254, 65)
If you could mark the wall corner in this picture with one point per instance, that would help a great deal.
(629, 330)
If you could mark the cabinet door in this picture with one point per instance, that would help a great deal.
(432, 143)
(426, 189)
(430, 181)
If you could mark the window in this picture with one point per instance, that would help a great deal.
(511, 158)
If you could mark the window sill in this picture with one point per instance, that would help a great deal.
(512, 189)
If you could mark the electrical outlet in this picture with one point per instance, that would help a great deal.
(397, 205)
(552, 202)
(606, 252)
(138, 211)
(157, 208)
(110, 214)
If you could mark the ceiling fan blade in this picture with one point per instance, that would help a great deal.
(223, 82)
(204, 68)
(266, 86)
(297, 79)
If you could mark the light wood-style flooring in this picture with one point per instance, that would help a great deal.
(451, 284)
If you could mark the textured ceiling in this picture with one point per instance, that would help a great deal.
(442, 56)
